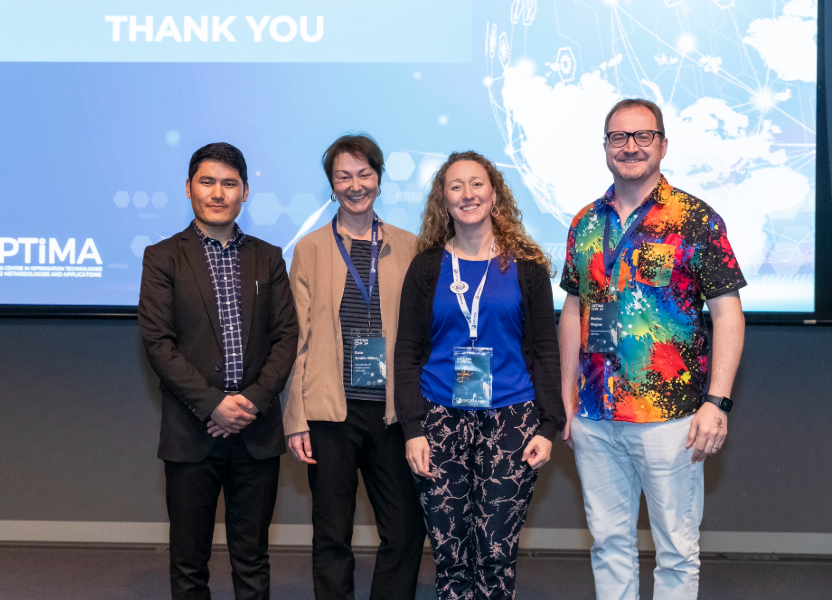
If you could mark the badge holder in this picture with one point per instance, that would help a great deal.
(603, 324)
(472, 377)
(369, 358)
(603, 328)
(602, 337)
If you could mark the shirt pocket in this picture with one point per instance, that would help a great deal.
(654, 264)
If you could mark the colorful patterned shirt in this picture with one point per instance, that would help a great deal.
(677, 258)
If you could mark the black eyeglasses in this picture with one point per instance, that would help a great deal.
(619, 139)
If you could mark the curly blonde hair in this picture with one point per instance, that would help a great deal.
(509, 233)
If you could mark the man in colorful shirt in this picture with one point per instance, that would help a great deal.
(641, 262)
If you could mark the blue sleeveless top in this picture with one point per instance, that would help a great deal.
(500, 327)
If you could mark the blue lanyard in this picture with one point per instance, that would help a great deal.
(610, 256)
(339, 241)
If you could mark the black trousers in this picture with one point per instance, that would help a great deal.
(250, 488)
(341, 449)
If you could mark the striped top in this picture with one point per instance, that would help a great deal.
(353, 315)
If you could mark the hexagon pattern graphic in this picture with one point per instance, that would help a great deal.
(400, 166)
(516, 8)
(121, 199)
(389, 193)
(301, 207)
(412, 194)
(566, 64)
(504, 50)
(529, 12)
(397, 216)
(159, 199)
(723, 4)
(381, 212)
(140, 199)
(264, 208)
(428, 167)
(139, 243)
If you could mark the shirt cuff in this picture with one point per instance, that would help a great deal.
(573, 290)
(710, 295)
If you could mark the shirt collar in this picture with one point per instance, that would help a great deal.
(661, 193)
(234, 242)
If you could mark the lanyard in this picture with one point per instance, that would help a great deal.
(339, 241)
(610, 256)
(473, 315)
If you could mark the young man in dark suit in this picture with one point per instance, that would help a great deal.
(219, 327)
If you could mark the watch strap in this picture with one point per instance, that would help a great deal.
(722, 402)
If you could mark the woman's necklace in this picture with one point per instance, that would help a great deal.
(458, 286)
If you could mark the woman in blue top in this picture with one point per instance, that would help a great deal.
(477, 375)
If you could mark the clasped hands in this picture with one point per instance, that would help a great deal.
(232, 415)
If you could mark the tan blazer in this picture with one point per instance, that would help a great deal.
(315, 391)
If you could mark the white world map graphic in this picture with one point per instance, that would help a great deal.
(735, 81)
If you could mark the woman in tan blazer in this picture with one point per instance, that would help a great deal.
(339, 416)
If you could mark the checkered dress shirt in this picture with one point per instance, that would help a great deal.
(224, 266)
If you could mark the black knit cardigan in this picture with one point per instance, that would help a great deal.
(413, 344)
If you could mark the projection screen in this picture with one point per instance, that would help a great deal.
(104, 102)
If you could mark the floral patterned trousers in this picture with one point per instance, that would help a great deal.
(476, 503)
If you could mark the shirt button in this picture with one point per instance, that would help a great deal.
(217, 368)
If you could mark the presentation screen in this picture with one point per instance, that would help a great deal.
(103, 104)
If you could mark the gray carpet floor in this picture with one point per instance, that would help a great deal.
(140, 573)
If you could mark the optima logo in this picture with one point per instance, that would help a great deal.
(56, 253)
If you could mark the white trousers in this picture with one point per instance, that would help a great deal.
(616, 461)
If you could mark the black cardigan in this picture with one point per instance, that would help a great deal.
(413, 344)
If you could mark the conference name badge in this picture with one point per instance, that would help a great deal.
(369, 358)
(603, 328)
(472, 377)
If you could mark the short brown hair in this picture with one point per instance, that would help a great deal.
(633, 102)
(360, 145)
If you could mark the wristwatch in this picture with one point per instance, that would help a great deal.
(721, 401)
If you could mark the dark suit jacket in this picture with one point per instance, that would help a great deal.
(180, 326)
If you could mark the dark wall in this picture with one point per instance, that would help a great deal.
(79, 420)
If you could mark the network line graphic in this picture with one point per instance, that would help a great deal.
(735, 80)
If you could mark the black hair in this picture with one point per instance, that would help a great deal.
(361, 145)
(222, 153)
